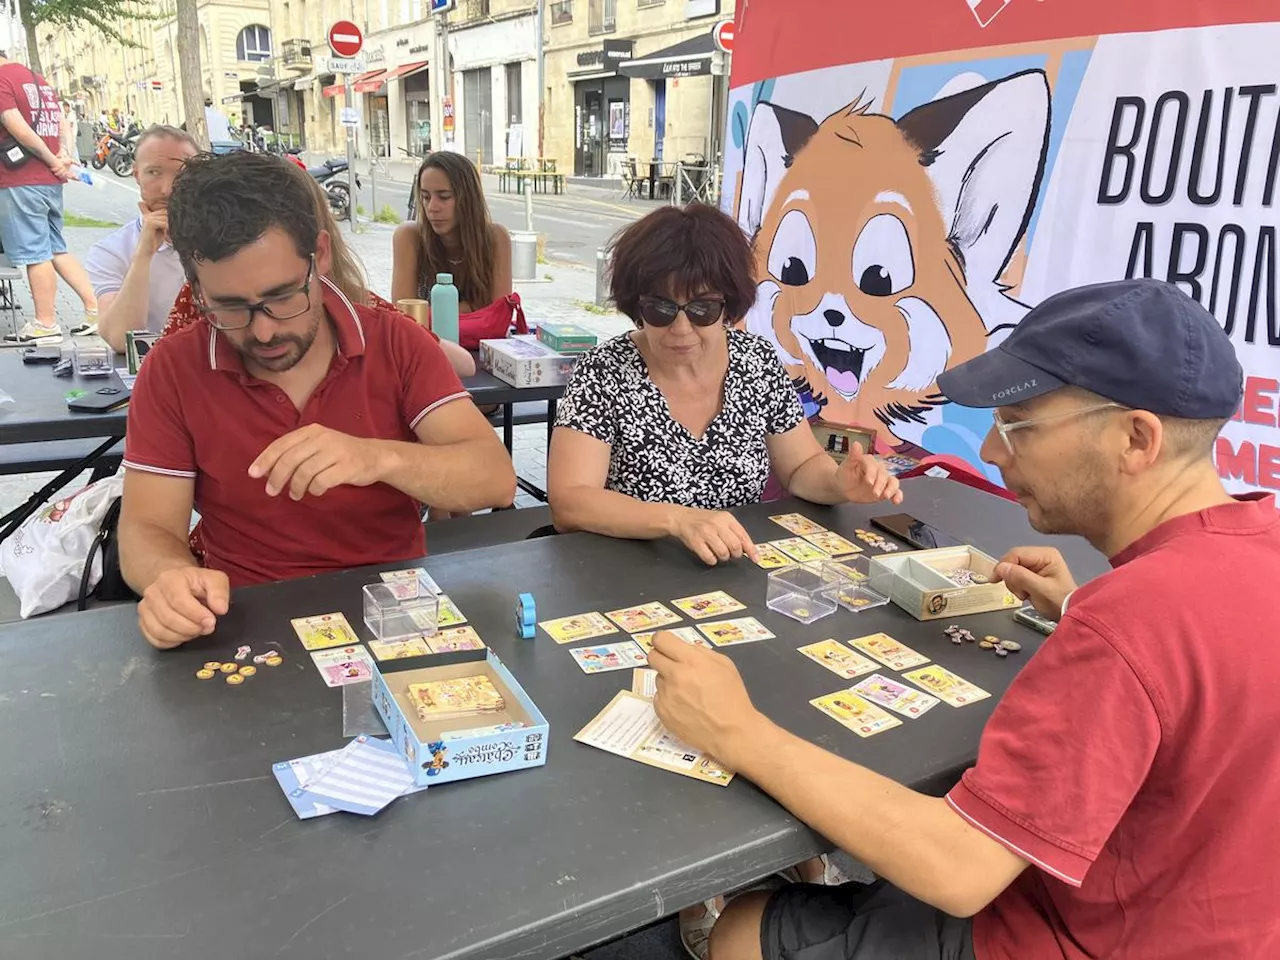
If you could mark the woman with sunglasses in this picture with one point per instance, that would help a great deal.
(662, 430)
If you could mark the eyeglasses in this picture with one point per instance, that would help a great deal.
(661, 312)
(1005, 429)
(286, 306)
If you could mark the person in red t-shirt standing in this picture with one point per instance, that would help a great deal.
(1124, 796)
(33, 166)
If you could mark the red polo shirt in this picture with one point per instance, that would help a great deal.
(1134, 762)
(196, 413)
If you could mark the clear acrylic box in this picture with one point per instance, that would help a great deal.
(802, 592)
(92, 358)
(851, 584)
(392, 615)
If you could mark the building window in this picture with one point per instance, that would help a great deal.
(602, 16)
(515, 103)
(476, 9)
(650, 3)
(254, 43)
(561, 12)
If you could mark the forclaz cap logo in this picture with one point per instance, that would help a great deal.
(1013, 391)
(984, 11)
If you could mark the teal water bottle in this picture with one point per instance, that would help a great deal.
(444, 308)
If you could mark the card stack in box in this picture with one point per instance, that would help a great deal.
(458, 715)
(566, 337)
(951, 581)
(838, 439)
(524, 362)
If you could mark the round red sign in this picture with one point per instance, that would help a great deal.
(345, 39)
(722, 34)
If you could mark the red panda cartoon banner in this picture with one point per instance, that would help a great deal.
(910, 201)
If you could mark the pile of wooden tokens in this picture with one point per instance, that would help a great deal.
(235, 672)
(875, 541)
(968, 578)
(957, 634)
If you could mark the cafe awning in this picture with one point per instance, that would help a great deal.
(406, 70)
(368, 82)
(689, 58)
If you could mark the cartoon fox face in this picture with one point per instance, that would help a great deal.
(880, 244)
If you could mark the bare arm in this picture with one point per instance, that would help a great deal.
(502, 283)
(577, 467)
(404, 263)
(155, 517)
(808, 471)
(459, 357)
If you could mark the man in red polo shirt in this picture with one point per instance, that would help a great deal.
(304, 429)
(1123, 803)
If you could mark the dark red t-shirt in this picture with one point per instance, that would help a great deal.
(1134, 760)
(196, 413)
(32, 96)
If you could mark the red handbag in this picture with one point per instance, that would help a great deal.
(493, 322)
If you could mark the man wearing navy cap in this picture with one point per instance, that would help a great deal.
(1123, 802)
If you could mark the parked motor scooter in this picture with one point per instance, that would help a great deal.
(338, 191)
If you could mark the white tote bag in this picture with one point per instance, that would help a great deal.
(44, 558)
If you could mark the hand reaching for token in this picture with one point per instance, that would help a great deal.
(864, 479)
(1037, 574)
(183, 604)
(313, 460)
(714, 535)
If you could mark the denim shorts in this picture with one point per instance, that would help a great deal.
(31, 223)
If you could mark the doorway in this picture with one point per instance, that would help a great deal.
(589, 161)
(477, 115)
(659, 117)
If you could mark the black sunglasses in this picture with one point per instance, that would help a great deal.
(661, 312)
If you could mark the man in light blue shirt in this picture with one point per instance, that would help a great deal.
(135, 272)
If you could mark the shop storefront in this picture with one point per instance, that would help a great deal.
(495, 88)
(601, 110)
(396, 100)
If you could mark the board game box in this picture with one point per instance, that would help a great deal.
(947, 582)
(524, 362)
(566, 337)
(505, 731)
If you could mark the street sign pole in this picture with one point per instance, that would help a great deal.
(350, 102)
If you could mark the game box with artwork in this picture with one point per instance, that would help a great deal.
(458, 715)
(947, 582)
(523, 361)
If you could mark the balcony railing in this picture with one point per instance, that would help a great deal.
(296, 54)
(561, 12)
(602, 16)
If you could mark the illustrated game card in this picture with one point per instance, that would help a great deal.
(687, 634)
(888, 651)
(629, 728)
(946, 685)
(863, 718)
(325, 630)
(399, 649)
(343, 666)
(647, 616)
(609, 656)
(583, 626)
(448, 614)
(705, 605)
(455, 638)
(456, 697)
(770, 557)
(410, 584)
(898, 697)
(725, 633)
(644, 682)
(838, 658)
(833, 543)
(798, 524)
(799, 549)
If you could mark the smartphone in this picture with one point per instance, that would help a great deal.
(42, 355)
(916, 532)
(1028, 615)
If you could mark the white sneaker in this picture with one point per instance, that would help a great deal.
(89, 327)
(35, 331)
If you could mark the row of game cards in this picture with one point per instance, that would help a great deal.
(864, 707)
(811, 542)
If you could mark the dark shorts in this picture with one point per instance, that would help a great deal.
(857, 922)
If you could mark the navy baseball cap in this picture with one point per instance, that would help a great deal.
(1141, 343)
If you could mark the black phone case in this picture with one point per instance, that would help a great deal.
(100, 400)
(41, 354)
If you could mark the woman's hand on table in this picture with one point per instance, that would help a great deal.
(714, 535)
(863, 478)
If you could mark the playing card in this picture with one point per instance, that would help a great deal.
(325, 630)
(888, 651)
(399, 649)
(863, 718)
(343, 666)
(798, 524)
(832, 543)
(898, 697)
(583, 626)
(799, 549)
(725, 633)
(705, 605)
(414, 574)
(609, 656)
(455, 638)
(647, 616)
(448, 614)
(946, 685)
(770, 557)
(644, 682)
(687, 634)
(838, 658)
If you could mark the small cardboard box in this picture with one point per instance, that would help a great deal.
(921, 583)
(838, 439)
(566, 337)
(136, 345)
(524, 362)
(442, 751)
